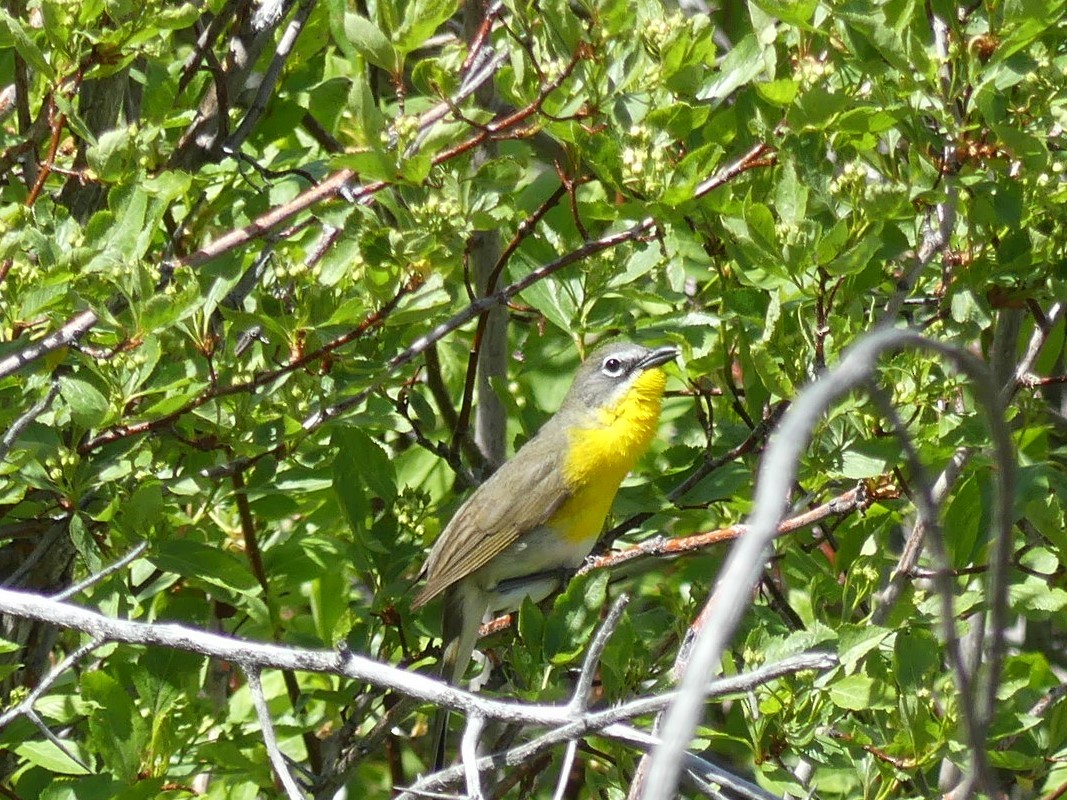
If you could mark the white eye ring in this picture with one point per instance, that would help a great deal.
(613, 367)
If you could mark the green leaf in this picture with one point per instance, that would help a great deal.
(88, 405)
(916, 656)
(574, 614)
(25, 45)
(859, 693)
(118, 732)
(856, 641)
(422, 18)
(360, 470)
(371, 43)
(49, 757)
(111, 156)
(793, 12)
(84, 543)
(143, 509)
(791, 198)
(962, 522)
(743, 63)
(205, 563)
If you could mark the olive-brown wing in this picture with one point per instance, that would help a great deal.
(520, 496)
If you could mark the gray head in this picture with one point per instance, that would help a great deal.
(610, 372)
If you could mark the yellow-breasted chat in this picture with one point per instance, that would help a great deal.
(541, 513)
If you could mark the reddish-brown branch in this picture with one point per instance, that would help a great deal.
(855, 498)
(368, 323)
(478, 42)
(45, 168)
(276, 216)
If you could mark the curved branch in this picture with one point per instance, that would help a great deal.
(744, 565)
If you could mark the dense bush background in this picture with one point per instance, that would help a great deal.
(230, 233)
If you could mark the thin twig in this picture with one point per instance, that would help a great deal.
(72, 331)
(1033, 350)
(743, 566)
(33, 717)
(46, 683)
(468, 749)
(855, 498)
(19, 425)
(264, 655)
(270, 741)
(583, 688)
(925, 501)
(96, 577)
(270, 77)
(909, 556)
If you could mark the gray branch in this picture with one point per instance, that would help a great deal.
(744, 565)
(72, 331)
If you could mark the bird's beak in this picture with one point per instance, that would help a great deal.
(661, 355)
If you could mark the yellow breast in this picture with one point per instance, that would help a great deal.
(601, 453)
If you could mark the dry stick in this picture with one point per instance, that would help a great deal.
(845, 503)
(601, 721)
(360, 668)
(266, 726)
(583, 688)
(743, 566)
(39, 723)
(856, 498)
(25, 707)
(1033, 350)
(71, 332)
(276, 216)
(909, 557)
(270, 77)
(19, 425)
(468, 749)
(46, 683)
(926, 503)
(96, 577)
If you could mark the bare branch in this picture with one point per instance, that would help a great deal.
(72, 331)
(845, 503)
(49, 680)
(33, 717)
(270, 15)
(1033, 349)
(360, 668)
(777, 473)
(926, 504)
(19, 425)
(909, 557)
(96, 577)
(580, 698)
(468, 749)
(266, 725)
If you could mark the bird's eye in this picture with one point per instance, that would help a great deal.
(613, 367)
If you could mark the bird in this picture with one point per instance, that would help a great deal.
(537, 517)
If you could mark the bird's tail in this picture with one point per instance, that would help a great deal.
(459, 628)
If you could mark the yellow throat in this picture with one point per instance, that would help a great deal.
(601, 453)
